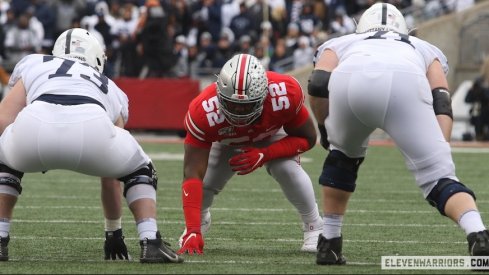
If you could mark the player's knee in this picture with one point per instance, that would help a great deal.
(340, 171)
(10, 180)
(145, 175)
(443, 190)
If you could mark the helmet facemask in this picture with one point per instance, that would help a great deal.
(242, 86)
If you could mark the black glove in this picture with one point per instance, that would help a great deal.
(324, 136)
(114, 246)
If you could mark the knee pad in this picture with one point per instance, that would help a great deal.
(340, 171)
(10, 177)
(144, 175)
(443, 190)
(140, 191)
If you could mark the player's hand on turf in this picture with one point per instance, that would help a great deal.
(192, 243)
(248, 160)
(114, 246)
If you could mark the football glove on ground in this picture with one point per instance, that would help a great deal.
(114, 246)
(192, 243)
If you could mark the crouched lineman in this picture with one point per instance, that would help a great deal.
(381, 77)
(63, 113)
(247, 119)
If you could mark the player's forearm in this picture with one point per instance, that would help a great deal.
(445, 123)
(287, 147)
(320, 108)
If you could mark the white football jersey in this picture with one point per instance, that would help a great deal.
(385, 45)
(47, 74)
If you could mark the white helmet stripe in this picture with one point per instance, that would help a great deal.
(241, 73)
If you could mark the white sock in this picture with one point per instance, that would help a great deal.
(471, 221)
(147, 229)
(113, 225)
(313, 217)
(332, 226)
(4, 227)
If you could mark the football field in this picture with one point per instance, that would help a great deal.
(58, 225)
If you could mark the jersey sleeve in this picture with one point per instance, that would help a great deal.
(297, 98)
(195, 135)
(19, 70)
(431, 53)
(337, 44)
(198, 130)
(124, 104)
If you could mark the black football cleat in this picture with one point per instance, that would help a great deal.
(478, 243)
(329, 251)
(158, 251)
(4, 248)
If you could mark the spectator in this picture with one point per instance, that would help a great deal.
(242, 24)
(34, 23)
(304, 53)
(181, 68)
(280, 62)
(157, 45)
(124, 42)
(193, 59)
(224, 49)
(206, 54)
(278, 16)
(261, 55)
(292, 38)
(4, 7)
(210, 13)
(229, 9)
(308, 21)
(105, 28)
(181, 17)
(20, 41)
(342, 23)
(478, 95)
(45, 14)
(65, 12)
(244, 45)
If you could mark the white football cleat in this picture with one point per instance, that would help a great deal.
(311, 235)
(204, 227)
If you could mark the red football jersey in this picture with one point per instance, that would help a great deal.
(283, 106)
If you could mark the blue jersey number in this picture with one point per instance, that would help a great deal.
(391, 35)
(66, 65)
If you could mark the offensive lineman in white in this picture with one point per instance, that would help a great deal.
(380, 77)
(63, 113)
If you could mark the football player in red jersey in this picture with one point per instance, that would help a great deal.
(246, 119)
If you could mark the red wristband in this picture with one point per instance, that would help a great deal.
(192, 192)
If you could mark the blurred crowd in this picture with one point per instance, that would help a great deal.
(191, 38)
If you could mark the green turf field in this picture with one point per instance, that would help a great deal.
(58, 221)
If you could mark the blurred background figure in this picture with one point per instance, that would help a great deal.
(478, 95)
(156, 43)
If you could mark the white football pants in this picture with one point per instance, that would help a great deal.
(364, 96)
(294, 181)
(79, 138)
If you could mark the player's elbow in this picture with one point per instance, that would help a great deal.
(312, 140)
